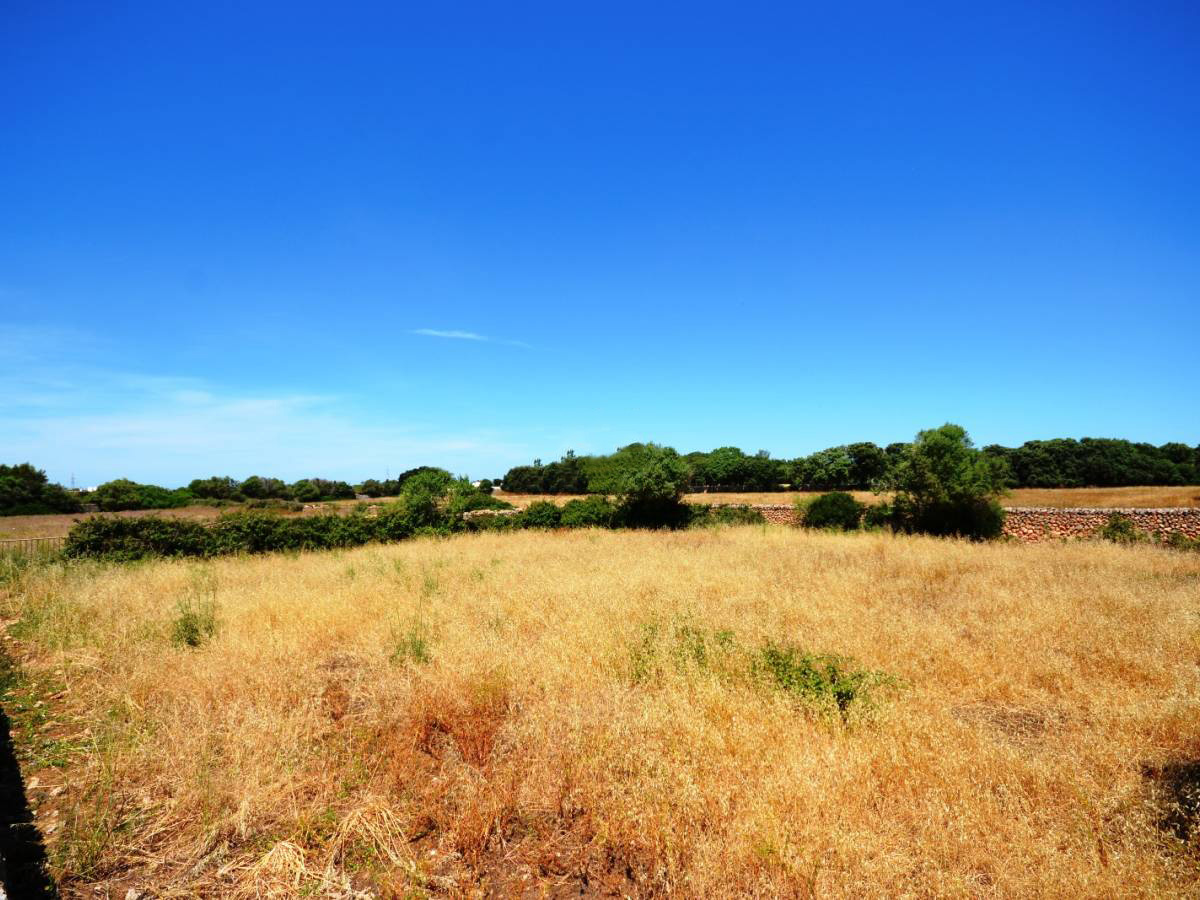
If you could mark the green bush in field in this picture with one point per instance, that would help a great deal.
(1121, 530)
(836, 509)
(122, 538)
(703, 514)
(591, 512)
(824, 681)
(195, 622)
(542, 514)
(122, 494)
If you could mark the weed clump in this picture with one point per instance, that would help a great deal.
(410, 645)
(682, 647)
(1120, 529)
(195, 619)
(195, 622)
(826, 683)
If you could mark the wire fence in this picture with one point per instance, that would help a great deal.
(31, 546)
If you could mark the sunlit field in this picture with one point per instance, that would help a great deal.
(607, 712)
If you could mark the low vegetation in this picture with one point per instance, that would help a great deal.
(704, 712)
(836, 509)
(1121, 529)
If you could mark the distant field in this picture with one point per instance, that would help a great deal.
(56, 526)
(616, 714)
(59, 525)
(1099, 497)
(1059, 497)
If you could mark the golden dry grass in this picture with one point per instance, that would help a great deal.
(1151, 497)
(307, 748)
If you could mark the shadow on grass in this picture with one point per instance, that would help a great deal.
(23, 862)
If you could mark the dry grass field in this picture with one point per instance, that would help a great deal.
(1145, 497)
(535, 714)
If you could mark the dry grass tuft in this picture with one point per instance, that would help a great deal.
(468, 715)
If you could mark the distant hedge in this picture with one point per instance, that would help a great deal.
(125, 539)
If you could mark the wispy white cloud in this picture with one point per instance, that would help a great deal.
(456, 335)
(97, 425)
(466, 336)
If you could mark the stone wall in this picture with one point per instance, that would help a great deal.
(775, 513)
(1039, 523)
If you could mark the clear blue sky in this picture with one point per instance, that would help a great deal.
(335, 239)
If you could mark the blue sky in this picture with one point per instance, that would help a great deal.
(300, 239)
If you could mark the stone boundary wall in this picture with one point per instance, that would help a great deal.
(1039, 523)
(775, 513)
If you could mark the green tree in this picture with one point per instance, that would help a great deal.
(652, 490)
(25, 490)
(943, 485)
(834, 510)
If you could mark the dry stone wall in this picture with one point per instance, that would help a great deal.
(1039, 523)
(775, 513)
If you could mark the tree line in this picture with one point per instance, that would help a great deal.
(1061, 463)
(941, 484)
(1090, 462)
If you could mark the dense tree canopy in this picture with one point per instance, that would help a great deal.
(25, 490)
(1099, 462)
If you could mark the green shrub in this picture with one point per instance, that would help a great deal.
(682, 647)
(1177, 541)
(195, 621)
(122, 494)
(123, 539)
(877, 515)
(703, 514)
(411, 644)
(542, 514)
(591, 512)
(462, 496)
(829, 683)
(836, 509)
(1122, 530)
(493, 521)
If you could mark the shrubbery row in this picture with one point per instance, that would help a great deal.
(125, 539)
(1098, 462)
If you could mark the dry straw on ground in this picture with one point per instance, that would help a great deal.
(468, 715)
